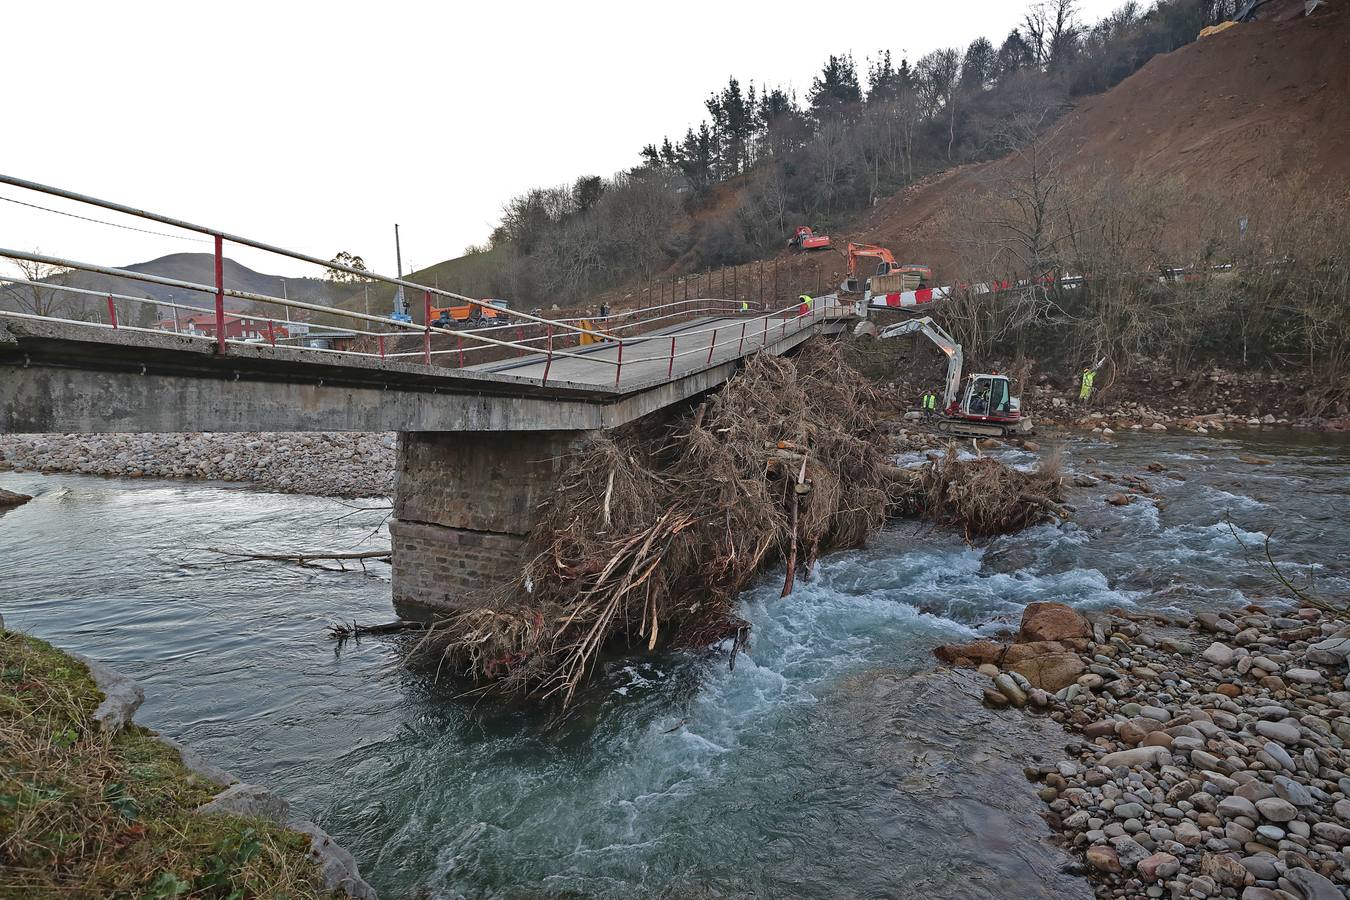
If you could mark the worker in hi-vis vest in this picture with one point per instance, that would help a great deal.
(805, 308)
(1085, 390)
(745, 306)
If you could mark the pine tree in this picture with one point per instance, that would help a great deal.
(835, 95)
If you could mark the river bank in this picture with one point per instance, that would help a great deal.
(1211, 756)
(91, 804)
(325, 464)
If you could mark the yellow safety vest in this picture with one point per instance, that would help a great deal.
(1086, 391)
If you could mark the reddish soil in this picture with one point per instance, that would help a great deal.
(1256, 109)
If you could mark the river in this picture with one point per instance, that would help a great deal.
(818, 767)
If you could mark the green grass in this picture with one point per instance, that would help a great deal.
(84, 814)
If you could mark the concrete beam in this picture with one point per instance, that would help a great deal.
(54, 378)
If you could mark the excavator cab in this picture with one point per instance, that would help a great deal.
(990, 397)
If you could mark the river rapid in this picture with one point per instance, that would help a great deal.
(825, 765)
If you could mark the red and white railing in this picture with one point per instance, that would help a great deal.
(547, 338)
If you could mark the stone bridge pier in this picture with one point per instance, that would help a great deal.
(465, 503)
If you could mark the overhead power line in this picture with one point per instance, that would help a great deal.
(181, 237)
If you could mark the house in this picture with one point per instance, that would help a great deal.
(239, 326)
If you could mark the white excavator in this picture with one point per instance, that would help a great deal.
(986, 408)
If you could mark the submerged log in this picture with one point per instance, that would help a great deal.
(307, 559)
(343, 630)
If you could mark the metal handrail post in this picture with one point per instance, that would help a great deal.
(426, 335)
(220, 295)
(548, 364)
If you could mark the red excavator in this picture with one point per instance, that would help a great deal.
(889, 277)
(804, 239)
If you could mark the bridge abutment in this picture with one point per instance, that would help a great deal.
(464, 505)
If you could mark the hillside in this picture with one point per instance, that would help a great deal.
(198, 268)
(1258, 110)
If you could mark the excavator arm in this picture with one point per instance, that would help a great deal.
(873, 250)
(945, 342)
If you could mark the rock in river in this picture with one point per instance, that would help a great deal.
(1049, 621)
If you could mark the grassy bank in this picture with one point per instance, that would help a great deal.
(86, 814)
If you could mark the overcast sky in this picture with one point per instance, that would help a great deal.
(318, 126)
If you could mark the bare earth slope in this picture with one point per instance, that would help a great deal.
(1255, 108)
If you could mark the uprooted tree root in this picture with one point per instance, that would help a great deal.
(651, 535)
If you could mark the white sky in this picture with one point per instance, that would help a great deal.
(316, 126)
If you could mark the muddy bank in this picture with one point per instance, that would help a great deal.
(330, 464)
(1152, 396)
(1208, 401)
(1211, 756)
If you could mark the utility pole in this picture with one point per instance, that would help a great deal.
(285, 296)
(400, 305)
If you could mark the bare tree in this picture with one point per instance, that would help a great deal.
(939, 75)
(1051, 29)
(37, 297)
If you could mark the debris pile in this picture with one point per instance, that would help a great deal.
(652, 533)
(983, 497)
(650, 536)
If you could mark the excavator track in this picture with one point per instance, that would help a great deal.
(962, 428)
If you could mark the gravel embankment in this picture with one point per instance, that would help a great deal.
(1213, 754)
(331, 464)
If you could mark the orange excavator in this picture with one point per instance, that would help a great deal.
(804, 239)
(889, 277)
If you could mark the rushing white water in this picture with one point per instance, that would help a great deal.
(818, 767)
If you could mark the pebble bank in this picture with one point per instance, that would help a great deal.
(328, 464)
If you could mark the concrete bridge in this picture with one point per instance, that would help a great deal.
(480, 445)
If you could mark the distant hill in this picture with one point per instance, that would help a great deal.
(197, 268)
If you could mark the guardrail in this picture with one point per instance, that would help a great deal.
(552, 338)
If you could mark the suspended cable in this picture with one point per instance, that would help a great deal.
(181, 237)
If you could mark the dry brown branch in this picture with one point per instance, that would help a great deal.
(653, 532)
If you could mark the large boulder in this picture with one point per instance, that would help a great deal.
(1051, 621)
(251, 801)
(121, 696)
(972, 654)
(9, 498)
(1050, 671)
(1017, 653)
(337, 868)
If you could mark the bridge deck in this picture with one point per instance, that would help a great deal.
(71, 377)
(647, 357)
